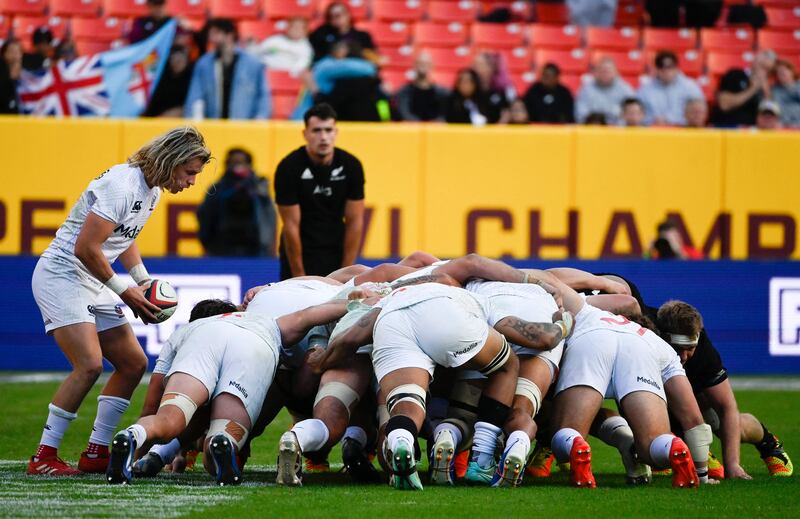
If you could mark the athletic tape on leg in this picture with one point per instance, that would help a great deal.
(699, 439)
(235, 431)
(406, 393)
(182, 402)
(499, 360)
(341, 392)
(527, 389)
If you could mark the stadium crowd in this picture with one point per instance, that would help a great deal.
(490, 62)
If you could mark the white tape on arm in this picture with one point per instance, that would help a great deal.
(139, 274)
(116, 284)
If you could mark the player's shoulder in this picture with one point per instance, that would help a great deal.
(296, 157)
(118, 179)
(345, 157)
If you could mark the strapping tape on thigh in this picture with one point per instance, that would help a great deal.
(340, 391)
(499, 360)
(182, 402)
(406, 393)
(527, 389)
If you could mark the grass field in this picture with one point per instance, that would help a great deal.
(23, 410)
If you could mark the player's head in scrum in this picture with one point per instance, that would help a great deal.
(680, 324)
(172, 160)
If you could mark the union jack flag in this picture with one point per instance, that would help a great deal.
(68, 88)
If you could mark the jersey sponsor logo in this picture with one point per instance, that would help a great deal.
(649, 382)
(238, 386)
(128, 232)
(118, 310)
(90, 309)
(324, 191)
(465, 350)
(784, 316)
(307, 175)
(137, 206)
(337, 174)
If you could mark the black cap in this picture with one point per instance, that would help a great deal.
(42, 35)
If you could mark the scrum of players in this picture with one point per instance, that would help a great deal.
(481, 360)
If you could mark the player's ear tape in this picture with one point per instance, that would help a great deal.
(406, 393)
(499, 360)
(235, 431)
(527, 389)
(341, 392)
(182, 402)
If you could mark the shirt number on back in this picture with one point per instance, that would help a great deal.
(621, 321)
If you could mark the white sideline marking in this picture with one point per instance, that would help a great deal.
(51, 376)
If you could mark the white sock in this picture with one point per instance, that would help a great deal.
(616, 432)
(167, 451)
(57, 422)
(109, 412)
(454, 431)
(357, 434)
(312, 434)
(139, 433)
(561, 444)
(484, 443)
(520, 442)
(659, 451)
(397, 435)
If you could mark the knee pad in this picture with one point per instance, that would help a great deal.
(182, 402)
(341, 392)
(711, 418)
(527, 389)
(235, 431)
(406, 393)
(499, 360)
(699, 439)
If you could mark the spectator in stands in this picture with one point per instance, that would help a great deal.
(669, 244)
(666, 93)
(699, 13)
(739, 92)
(769, 115)
(786, 92)
(43, 50)
(170, 93)
(548, 101)
(421, 99)
(495, 83)
(596, 119)
(66, 51)
(518, 113)
(227, 83)
(237, 217)
(696, 113)
(145, 26)
(10, 70)
(604, 93)
(290, 51)
(599, 13)
(338, 26)
(467, 102)
(632, 112)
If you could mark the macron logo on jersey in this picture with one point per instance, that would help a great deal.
(307, 175)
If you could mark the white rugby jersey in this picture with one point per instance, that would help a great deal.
(291, 295)
(407, 296)
(424, 271)
(119, 195)
(497, 310)
(265, 327)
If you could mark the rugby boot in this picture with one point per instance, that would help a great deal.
(290, 464)
(541, 462)
(460, 464)
(775, 458)
(684, 474)
(94, 460)
(442, 464)
(511, 467)
(478, 475)
(357, 463)
(148, 466)
(636, 473)
(715, 468)
(404, 467)
(580, 464)
(50, 466)
(120, 464)
(224, 456)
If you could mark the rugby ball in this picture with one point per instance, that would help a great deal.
(161, 294)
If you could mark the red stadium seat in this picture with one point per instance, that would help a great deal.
(669, 39)
(555, 36)
(187, 8)
(283, 105)
(394, 80)
(393, 10)
(629, 15)
(618, 39)
(236, 9)
(628, 63)
(690, 61)
(498, 35)
(24, 26)
(124, 8)
(284, 9)
(5, 23)
(451, 59)
(433, 34)
(195, 23)
(89, 47)
(259, 30)
(574, 61)
(74, 7)
(97, 29)
(523, 81)
(444, 78)
(465, 11)
(708, 84)
(390, 34)
(782, 42)
(517, 60)
(572, 81)
(359, 9)
(282, 82)
(778, 18)
(398, 58)
(777, 3)
(634, 80)
(23, 7)
(727, 40)
(521, 10)
(718, 63)
(551, 13)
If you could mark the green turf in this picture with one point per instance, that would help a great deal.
(23, 409)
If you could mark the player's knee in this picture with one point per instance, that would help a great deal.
(528, 392)
(405, 399)
(90, 370)
(134, 368)
(337, 394)
(184, 405)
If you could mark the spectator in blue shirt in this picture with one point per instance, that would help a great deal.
(665, 94)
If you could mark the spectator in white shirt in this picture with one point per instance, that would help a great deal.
(665, 94)
(603, 94)
(290, 51)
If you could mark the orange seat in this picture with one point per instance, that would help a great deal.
(283, 105)
(259, 30)
(394, 80)
(544, 36)
(782, 42)
(616, 39)
(778, 3)
(89, 47)
(708, 84)
(574, 61)
(779, 18)
(727, 40)
(794, 59)
(188, 8)
(24, 26)
(394, 10)
(74, 7)
(551, 13)
(522, 81)
(281, 82)
(434, 34)
(450, 59)
(359, 9)
(465, 11)
(669, 39)
(517, 60)
(236, 9)
(718, 63)
(398, 58)
(629, 15)
(690, 61)
(284, 9)
(23, 7)
(444, 78)
(391, 34)
(124, 8)
(628, 63)
(634, 80)
(572, 81)
(97, 29)
(498, 35)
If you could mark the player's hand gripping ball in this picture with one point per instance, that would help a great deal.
(161, 294)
